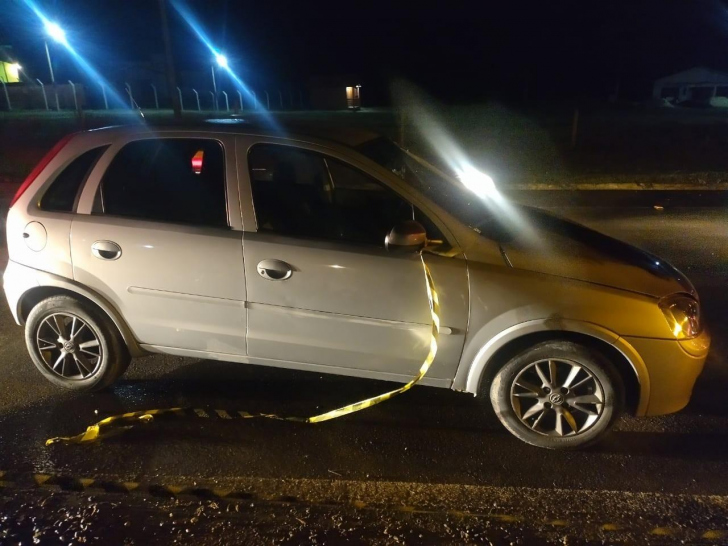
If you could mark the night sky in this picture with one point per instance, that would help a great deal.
(457, 51)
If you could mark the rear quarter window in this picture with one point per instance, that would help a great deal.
(63, 192)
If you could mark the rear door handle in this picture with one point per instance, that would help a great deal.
(106, 250)
(274, 270)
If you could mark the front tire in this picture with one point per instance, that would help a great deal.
(558, 395)
(75, 346)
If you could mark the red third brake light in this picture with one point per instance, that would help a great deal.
(40, 166)
(197, 160)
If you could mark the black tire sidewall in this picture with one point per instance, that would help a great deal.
(595, 362)
(113, 362)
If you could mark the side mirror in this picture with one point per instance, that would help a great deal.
(406, 236)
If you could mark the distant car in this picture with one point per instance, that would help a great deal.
(235, 245)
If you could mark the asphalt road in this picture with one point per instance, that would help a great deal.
(430, 466)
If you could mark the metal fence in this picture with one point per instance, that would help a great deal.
(76, 96)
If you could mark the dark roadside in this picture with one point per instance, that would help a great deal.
(381, 513)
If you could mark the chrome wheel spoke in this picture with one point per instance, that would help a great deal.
(559, 424)
(585, 399)
(533, 410)
(80, 329)
(49, 345)
(553, 374)
(60, 323)
(580, 383)
(528, 386)
(88, 344)
(83, 364)
(572, 375)
(569, 418)
(538, 419)
(60, 359)
(526, 394)
(577, 407)
(52, 326)
(542, 376)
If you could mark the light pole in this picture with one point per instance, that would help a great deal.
(214, 87)
(57, 33)
(222, 62)
(169, 62)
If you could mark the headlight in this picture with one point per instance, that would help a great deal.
(683, 315)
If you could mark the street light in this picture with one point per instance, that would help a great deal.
(57, 33)
(221, 60)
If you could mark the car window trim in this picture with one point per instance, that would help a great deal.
(162, 222)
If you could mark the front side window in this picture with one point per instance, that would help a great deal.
(62, 194)
(167, 180)
(304, 194)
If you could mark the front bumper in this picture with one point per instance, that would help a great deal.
(673, 367)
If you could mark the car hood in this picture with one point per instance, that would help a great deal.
(534, 240)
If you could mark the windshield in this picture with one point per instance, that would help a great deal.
(448, 194)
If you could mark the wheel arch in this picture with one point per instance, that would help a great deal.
(499, 349)
(35, 295)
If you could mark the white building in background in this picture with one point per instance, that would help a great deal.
(698, 84)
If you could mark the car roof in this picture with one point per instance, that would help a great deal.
(340, 137)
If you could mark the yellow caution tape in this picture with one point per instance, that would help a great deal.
(117, 424)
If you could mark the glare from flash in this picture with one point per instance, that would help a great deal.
(478, 182)
(432, 130)
(221, 60)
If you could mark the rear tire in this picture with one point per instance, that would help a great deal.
(75, 346)
(558, 395)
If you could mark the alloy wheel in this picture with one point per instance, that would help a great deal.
(557, 397)
(69, 346)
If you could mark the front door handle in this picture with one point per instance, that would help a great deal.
(106, 250)
(275, 270)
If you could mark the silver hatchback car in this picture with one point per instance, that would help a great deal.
(249, 247)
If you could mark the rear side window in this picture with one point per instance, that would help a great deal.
(167, 180)
(62, 194)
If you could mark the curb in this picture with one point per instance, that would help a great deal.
(616, 186)
(422, 499)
